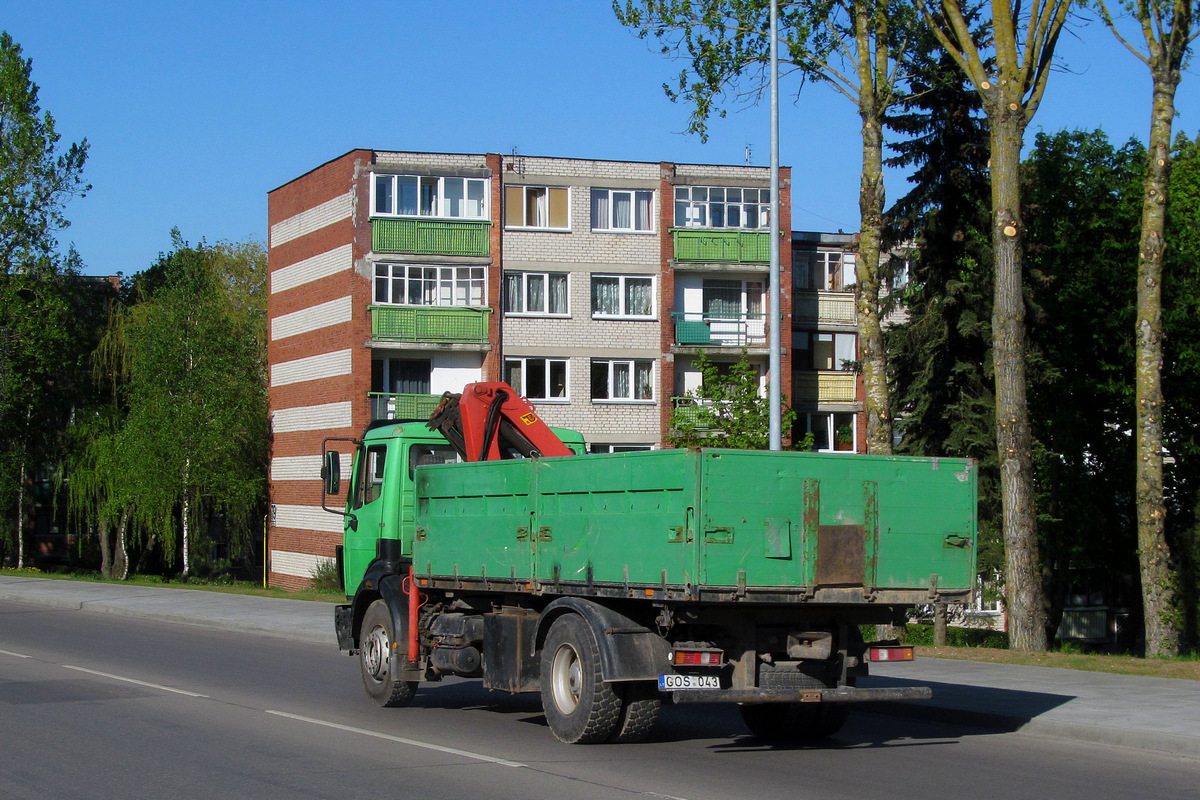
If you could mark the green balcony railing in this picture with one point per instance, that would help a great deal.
(713, 330)
(386, 405)
(430, 237)
(443, 325)
(727, 247)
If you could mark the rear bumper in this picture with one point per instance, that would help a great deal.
(843, 695)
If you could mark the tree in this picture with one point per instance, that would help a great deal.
(1010, 83)
(187, 358)
(728, 409)
(35, 179)
(39, 349)
(1168, 28)
(856, 47)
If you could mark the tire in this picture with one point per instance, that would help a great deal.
(375, 663)
(794, 722)
(640, 703)
(580, 707)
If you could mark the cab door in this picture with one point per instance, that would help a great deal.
(368, 508)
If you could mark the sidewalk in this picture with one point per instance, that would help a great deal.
(1126, 710)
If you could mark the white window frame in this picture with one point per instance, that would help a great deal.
(694, 206)
(453, 286)
(831, 430)
(440, 196)
(544, 200)
(623, 310)
(547, 367)
(609, 224)
(619, 448)
(614, 365)
(523, 310)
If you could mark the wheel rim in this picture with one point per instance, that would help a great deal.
(566, 679)
(374, 653)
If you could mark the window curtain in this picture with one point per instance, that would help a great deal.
(605, 297)
(512, 293)
(535, 293)
(723, 299)
(641, 388)
(620, 380)
(642, 218)
(637, 297)
(558, 294)
(622, 208)
(600, 209)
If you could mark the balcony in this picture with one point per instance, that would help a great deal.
(814, 388)
(402, 406)
(725, 247)
(710, 330)
(688, 409)
(430, 237)
(827, 307)
(434, 324)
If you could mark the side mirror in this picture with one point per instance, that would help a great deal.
(331, 472)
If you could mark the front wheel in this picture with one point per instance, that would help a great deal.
(580, 707)
(375, 662)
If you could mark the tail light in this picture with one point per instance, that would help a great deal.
(891, 653)
(698, 658)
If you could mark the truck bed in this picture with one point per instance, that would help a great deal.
(708, 524)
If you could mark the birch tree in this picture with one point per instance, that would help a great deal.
(1011, 81)
(1168, 27)
(854, 47)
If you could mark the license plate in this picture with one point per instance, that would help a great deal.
(670, 683)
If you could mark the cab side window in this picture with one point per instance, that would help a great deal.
(370, 475)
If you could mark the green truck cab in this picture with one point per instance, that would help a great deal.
(612, 583)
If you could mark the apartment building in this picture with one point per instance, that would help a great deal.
(590, 286)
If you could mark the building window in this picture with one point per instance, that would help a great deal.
(622, 296)
(826, 352)
(536, 207)
(536, 293)
(423, 285)
(622, 210)
(731, 299)
(722, 207)
(832, 431)
(430, 196)
(622, 380)
(537, 378)
(618, 448)
(827, 271)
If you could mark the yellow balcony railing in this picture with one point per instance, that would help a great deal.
(837, 307)
(824, 387)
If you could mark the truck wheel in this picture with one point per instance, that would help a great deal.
(789, 722)
(580, 707)
(375, 647)
(640, 703)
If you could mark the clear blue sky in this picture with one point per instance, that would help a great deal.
(195, 110)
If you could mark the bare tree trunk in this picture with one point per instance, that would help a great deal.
(104, 532)
(120, 557)
(867, 284)
(1014, 440)
(939, 624)
(21, 517)
(1162, 637)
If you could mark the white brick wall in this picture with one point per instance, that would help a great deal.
(313, 318)
(329, 212)
(302, 565)
(425, 161)
(327, 416)
(328, 263)
(325, 365)
(311, 518)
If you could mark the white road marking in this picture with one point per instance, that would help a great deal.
(400, 740)
(11, 653)
(139, 683)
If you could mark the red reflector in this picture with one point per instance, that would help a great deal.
(697, 658)
(901, 653)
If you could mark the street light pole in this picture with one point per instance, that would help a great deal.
(775, 324)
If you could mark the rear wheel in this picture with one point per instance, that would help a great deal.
(580, 707)
(640, 703)
(375, 662)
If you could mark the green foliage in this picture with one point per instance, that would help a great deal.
(35, 179)
(185, 359)
(325, 576)
(728, 410)
(922, 635)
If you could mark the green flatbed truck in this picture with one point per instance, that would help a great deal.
(613, 583)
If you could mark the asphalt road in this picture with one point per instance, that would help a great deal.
(93, 706)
